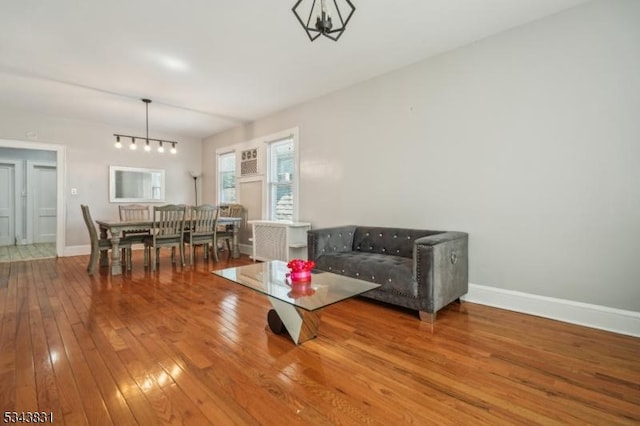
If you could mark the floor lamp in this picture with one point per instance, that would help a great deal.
(195, 177)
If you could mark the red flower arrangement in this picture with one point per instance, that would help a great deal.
(298, 265)
(300, 269)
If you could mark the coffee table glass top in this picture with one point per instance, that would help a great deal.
(270, 278)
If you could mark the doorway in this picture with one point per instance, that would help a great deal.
(31, 200)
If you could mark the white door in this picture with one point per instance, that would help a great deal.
(7, 204)
(43, 186)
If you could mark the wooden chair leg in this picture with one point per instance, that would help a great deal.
(214, 250)
(154, 257)
(93, 261)
(228, 248)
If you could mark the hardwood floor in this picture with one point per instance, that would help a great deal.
(181, 346)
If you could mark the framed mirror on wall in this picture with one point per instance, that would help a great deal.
(136, 185)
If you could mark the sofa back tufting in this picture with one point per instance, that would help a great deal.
(391, 241)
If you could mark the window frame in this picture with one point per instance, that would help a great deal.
(219, 176)
(271, 142)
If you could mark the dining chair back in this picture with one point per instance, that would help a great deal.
(167, 231)
(133, 212)
(230, 210)
(97, 244)
(130, 212)
(225, 232)
(201, 230)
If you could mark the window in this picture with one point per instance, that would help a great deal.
(281, 175)
(227, 178)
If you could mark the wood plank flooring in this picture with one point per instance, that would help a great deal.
(181, 346)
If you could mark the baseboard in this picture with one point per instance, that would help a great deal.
(76, 250)
(86, 250)
(594, 316)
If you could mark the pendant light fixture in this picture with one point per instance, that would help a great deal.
(147, 146)
(324, 17)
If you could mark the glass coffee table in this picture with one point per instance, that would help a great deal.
(297, 306)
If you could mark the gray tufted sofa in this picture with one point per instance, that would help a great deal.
(417, 269)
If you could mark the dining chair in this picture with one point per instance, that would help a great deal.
(134, 212)
(167, 231)
(97, 244)
(224, 231)
(201, 230)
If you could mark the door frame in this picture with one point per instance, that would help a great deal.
(61, 166)
(17, 196)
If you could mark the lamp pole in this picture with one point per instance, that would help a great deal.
(195, 187)
(195, 176)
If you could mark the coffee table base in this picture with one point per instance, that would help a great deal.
(301, 324)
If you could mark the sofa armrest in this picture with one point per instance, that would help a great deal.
(441, 267)
(329, 240)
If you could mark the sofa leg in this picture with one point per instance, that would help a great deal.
(427, 316)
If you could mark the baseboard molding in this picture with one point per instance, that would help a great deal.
(246, 249)
(86, 250)
(594, 316)
(76, 250)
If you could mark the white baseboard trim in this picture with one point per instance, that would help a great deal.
(76, 250)
(86, 250)
(594, 316)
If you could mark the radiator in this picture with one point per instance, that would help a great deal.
(269, 242)
(279, 240)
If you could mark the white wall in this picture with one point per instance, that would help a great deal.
(528, 140)
(89, 153)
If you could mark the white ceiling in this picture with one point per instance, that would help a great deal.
(209, 65)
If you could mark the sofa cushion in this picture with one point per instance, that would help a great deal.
(393, 273)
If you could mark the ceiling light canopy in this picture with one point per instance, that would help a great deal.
(323, 17)
(147, 146)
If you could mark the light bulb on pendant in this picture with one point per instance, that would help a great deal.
(160, 147)
(118, 144)
(133, 146)
(173, 148)
(147, 147)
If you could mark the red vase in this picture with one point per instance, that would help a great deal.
(300, 276)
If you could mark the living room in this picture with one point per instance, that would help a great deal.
(525, 139)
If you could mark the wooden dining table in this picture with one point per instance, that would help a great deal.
(114, 229)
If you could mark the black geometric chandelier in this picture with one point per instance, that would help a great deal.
(147, 147)
(323, 17)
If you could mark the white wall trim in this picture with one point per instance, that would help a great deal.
(246, 249)
(83, 250)
(18, 210)
(595, 316)
(76, 250)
